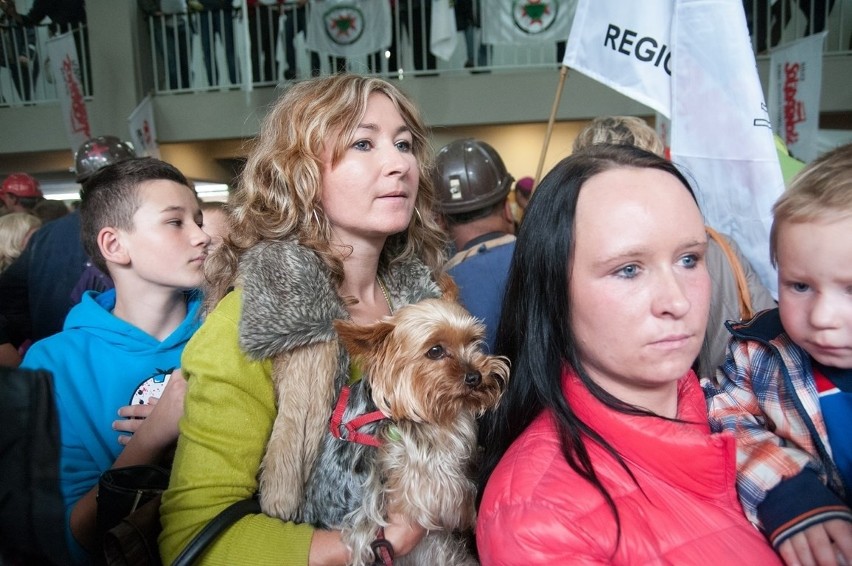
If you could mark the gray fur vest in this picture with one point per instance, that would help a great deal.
(288, 309)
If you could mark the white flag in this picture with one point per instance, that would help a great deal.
(66, 72)
(720, 127)
(443, 35)
(143, 134)
(525, 21)
(625, 45)
(281, 46)
(348, 28)
(242, 39)
(691, 61)
(795, 77)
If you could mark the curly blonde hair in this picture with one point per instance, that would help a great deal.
(14, 228)
(279, 191)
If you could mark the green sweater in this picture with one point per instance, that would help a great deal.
(229, 411)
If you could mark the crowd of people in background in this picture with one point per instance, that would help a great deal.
(663, 406)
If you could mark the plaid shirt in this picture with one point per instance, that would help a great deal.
(767, 398)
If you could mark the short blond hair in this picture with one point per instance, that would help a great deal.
(14, 228)
(620, 130)
(823, 189)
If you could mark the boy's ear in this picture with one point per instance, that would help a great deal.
(112, 246)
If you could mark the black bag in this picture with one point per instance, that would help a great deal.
(123, 490)
(131, 539)
(133, 542)
(129, 503)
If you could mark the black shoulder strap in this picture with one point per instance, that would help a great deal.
(214, 528)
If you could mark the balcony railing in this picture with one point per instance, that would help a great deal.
(25, 74)
(214, 50)
(228, 49)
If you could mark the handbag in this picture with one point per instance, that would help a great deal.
(133, 542)
(121, 491)
(128, 518)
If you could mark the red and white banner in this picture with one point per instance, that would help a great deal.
(795, 78)
(143, 134)
(65, 67)
(691, 60)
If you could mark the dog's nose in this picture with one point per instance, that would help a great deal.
(472, 379)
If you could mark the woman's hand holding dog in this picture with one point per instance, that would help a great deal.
(327, 548)
(402, 535)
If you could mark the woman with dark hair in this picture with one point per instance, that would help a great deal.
(600, 451)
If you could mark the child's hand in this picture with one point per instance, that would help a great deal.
(156, 423)
(824, 544)
(133, 417)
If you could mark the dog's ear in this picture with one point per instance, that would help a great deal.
(449, 289)
(362, 340)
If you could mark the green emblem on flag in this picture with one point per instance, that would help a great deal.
(344, 24)
(534, 16)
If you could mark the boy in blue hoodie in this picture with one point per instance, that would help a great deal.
(141, 223)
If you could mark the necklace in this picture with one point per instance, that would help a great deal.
(385, 293)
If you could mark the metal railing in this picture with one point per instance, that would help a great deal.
(272, 40)
(227, 48)
(775, 23)
(25, 71)
(192, 50)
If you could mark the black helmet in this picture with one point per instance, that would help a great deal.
(470, 175)
(99, 152)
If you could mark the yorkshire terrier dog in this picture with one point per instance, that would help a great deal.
(426, 379)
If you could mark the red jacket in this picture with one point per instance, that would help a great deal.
(537, 510)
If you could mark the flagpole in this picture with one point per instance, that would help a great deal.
(563, 74)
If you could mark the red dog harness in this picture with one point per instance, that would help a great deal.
(381, 547)
(348, 431)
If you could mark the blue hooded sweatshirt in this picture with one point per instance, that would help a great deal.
(100, 363)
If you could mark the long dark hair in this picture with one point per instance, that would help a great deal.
(535, 331)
